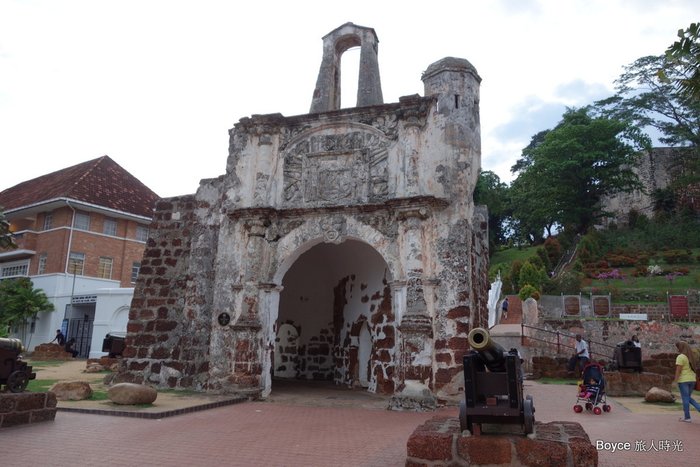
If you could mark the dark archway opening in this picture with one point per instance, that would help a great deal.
(335, 322)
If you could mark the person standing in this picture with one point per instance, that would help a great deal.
(504, 308)
(686, 366)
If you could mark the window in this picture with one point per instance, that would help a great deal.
(76, 261)
(104, 269)
(48, 220)
(81, 221)
(42, 264)
(110, 226)
(141, 233)
(135, 268)
(15, 269)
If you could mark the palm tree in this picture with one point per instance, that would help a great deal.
(19, 300)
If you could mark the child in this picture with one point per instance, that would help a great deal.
(590, 390)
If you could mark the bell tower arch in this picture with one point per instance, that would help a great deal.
(369, 89)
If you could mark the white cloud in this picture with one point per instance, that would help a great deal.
(156, 84)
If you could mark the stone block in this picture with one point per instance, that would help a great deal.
(439, 442)
(31, 401)
(131, 394)
(485, 449)
(71, 390)
(659, 395)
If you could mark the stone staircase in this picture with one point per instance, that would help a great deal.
(515, 311)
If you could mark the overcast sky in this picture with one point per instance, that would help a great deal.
(156, 85)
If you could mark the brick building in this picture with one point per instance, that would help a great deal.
(80, 235)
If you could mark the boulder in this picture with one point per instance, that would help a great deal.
(131, 394)
(94, 368)
(72, 390)
(659, 395)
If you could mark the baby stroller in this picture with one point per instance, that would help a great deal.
(592, 390)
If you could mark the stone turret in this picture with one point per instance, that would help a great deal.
(369, 89)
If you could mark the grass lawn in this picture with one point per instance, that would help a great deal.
(44, 363)
(501, 260)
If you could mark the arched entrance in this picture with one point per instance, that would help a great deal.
(335, 320)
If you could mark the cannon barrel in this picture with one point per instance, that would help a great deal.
(10, 343)
(490, 352)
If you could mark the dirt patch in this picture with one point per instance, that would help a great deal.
(71, 370)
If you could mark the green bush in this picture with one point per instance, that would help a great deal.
(620, 260)
(553, 249)
(676, 256)
(528, 291)
(569, 282)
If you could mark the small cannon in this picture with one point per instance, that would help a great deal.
(627, 357)
(14, 373)
(113, 345)
(493, 387)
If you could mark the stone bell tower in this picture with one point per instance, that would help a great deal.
(341, 245)
(369, 89)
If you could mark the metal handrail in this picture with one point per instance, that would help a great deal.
(558, 342)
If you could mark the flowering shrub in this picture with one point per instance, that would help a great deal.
(655, 270)
(614, 274)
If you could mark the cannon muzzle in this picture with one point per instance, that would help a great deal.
(12, 344)
(490, 352)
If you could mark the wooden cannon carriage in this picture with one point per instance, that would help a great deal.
(493, 387)
(14, 373)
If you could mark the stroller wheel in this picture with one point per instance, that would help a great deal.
(578, 408)
(597, 411)
(589, 406)
(607, 408)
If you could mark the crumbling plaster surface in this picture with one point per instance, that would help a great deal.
(397, 178)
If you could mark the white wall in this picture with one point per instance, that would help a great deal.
(111, 308)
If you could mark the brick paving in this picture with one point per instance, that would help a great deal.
(282, 434)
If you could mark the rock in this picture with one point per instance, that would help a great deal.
(94, 368)
(659, 395)
(131, 394)
(72, 390)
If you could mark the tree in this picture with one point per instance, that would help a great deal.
(494, 194)
(565, 174)
(685, 55)
(5, 234)
(661, 92)
(19, 300)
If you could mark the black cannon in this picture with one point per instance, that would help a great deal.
(14, 373)
(493, 387)
(627, 356)
(113, 345)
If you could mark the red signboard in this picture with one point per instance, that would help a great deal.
(678, 304)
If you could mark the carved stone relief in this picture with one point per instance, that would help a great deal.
(332, 169)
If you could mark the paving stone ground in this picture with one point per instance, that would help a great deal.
(334, 431)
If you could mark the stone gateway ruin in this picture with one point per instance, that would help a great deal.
(341, 245)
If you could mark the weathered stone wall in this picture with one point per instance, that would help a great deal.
(439, 442)
(26, 407)
(396, 178)
(655, 170)
(655, 337)
(51, 352)
(167, 340)
(552, 307)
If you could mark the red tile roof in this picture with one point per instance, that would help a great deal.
(100, 181)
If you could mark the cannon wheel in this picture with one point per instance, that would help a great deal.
(17, 381)
(528, 415)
